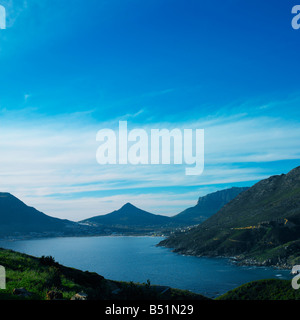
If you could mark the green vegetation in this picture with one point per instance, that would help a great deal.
(43, 278)
(272, 289)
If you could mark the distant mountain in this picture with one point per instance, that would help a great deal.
(17, 217)
(18, 220)
(131, 216)
(260, 226)
(208, 205)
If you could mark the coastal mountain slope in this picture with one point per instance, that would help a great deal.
(131, 216)
(260, 226)
(18, 218)
(270, 289)
(208, 205)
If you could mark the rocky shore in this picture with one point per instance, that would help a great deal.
(241, 260)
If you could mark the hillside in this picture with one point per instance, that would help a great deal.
(208, 205)
(33, 278)
(18, 218)
(270, 289)
(260, 226)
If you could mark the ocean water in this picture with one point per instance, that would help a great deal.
(138, 259)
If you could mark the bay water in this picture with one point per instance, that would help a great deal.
(138, 259)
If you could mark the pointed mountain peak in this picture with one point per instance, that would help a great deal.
(130, 215)
(128, 205)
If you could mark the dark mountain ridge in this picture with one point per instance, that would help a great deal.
(17, 220)
(272, 199)
(129, 215)
(260, 226)
(17, 217)
(208, 205)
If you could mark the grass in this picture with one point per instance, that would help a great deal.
(23, 271)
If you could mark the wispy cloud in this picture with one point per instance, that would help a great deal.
(51, 162)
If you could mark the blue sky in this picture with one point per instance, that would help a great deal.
(69, 69)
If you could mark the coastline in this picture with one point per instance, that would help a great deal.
(47, 236)
(238, 259)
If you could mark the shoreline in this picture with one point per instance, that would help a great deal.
(237, 260)
(24, 238)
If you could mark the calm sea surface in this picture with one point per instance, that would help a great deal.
(137, 259)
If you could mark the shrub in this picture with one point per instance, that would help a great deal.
(48, 261)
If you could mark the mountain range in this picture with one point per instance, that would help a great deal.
(259, 226)
(16, 218)
(131, 216)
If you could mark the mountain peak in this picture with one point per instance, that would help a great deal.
(130, 215)
(17, 217)
(128, 205)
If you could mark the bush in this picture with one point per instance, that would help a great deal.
(48, 261)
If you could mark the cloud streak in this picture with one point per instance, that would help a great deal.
(51, 162)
